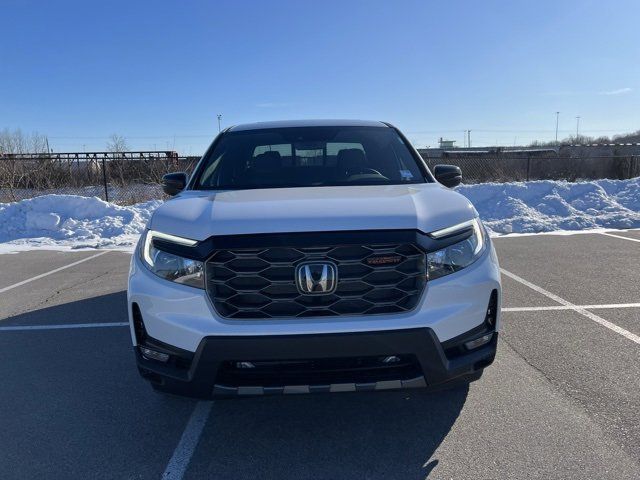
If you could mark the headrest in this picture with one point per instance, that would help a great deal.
(266, 161)
(351, 158)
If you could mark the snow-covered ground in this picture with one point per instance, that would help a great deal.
(70, 222)
(547, 206)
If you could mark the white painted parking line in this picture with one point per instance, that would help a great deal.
(70, 326)
(181, 457)
(37, 277)
(572, 307)
(576, 308)
(65, 326)
(618, 236)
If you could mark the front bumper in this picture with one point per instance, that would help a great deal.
(181, 321)
(183, 316)
(204, 374)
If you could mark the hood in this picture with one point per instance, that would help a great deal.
(199, 214)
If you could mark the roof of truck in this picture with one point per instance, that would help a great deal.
(306, 123)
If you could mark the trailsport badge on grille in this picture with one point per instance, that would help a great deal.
(318, 278)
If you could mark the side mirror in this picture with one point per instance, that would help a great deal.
(174, 183)
(448, 175)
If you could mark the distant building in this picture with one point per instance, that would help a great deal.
(447, 143)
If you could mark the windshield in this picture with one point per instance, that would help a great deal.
(308, 156)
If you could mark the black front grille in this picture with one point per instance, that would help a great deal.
(260, 283)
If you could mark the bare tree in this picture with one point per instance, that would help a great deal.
(17, 142)
(627, 137)
(117, 144)
(117, 168)
(15, 172)
(584, 139)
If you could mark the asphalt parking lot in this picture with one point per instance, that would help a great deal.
(561, 401)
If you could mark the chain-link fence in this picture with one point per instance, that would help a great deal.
(133, 177)
(525, 166)
(124, 177)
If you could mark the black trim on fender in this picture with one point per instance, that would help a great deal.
(455, 346)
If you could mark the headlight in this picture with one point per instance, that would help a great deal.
(459, 255)
(169, 266)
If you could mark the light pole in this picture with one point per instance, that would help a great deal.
(219, 118)
(577, 127)
(557, 117)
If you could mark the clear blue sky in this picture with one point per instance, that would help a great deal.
(80, 71)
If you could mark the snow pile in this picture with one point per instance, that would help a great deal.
(69, 221)
(72, 221)
(545, 206)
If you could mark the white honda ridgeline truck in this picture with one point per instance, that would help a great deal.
(313, 256)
